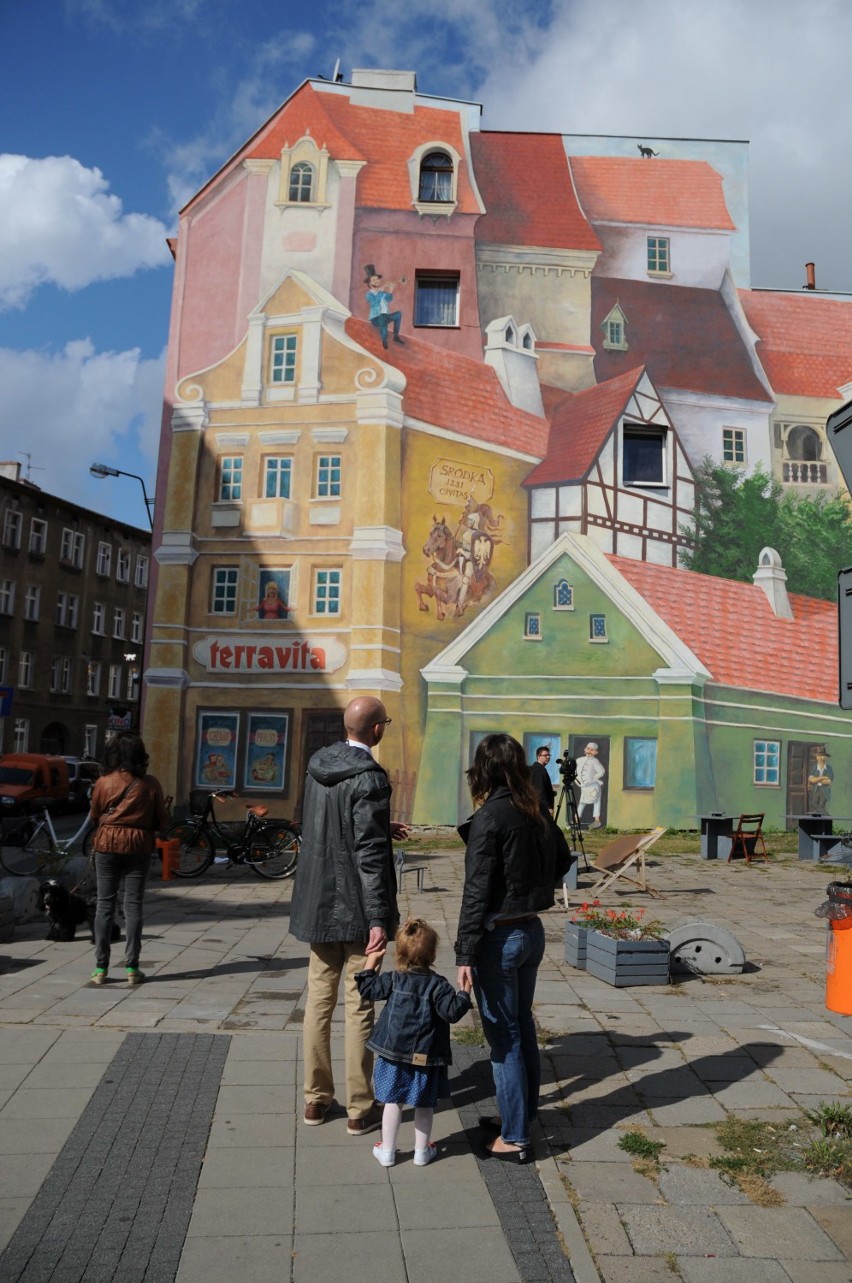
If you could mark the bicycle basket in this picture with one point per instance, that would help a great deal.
(198, 800)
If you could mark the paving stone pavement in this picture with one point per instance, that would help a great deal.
(201, 1068)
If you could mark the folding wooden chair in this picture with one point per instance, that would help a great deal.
(746, 837)
(626, 852)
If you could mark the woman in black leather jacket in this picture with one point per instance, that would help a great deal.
(515, 854)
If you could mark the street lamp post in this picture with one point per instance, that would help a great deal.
(102, 470)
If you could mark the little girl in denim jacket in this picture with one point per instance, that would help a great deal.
(412, 1036)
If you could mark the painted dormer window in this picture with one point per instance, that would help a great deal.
(301, 182)
(433, 171)
(615, 330)
(436, 177)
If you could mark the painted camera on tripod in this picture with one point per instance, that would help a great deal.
(567, 769)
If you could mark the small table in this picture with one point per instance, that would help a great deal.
(716, 834)
(816, 833)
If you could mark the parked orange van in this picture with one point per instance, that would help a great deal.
(29, 780)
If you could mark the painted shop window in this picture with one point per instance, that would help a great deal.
(266, 752)
(733, 445)
(327, 592)
(32, 600)
(141, 577)
(223, 597)
(301, 182)
(767, 762)
(597, 628)
(659, 261)
(122, 566)
(230, 478)
(103, 562)
(644, 457)
(436, 299)
(436, 177)
(38, 537)
(26, 669)
(640, 763)
(283, 368)
(563, 595)
(532, 626)
(98, 618)
(12, 524)
(328, 476)
(71, 553)
(278, 471)
(216, 750)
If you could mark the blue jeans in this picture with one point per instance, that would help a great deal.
(111, 868)
(504, 982)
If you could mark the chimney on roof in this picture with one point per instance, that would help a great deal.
(772, 578)
(810, 268)
(510, 351)
(10, 468)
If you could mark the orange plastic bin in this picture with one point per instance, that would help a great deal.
(838, 967)
(170, 854)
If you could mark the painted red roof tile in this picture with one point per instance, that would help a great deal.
(805, 342)
(685, 337)
(580, 424)
(455, 393)
(659, 193)
(526, 187)
(733, 630)
(304, 113)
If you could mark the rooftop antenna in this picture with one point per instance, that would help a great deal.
(337, 75)
(26, 455)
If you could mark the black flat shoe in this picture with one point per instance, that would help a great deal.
(490, 1123)
(523, 1155)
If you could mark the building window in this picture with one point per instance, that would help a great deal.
(733, 445)
(26, 670)
(71, 553)
(328, 476)
(7, 596)
(103, 563)
(278, 475)
(136, 626)
(4, 663)
(283, 359)
(563, 596)
(301, 182)
(436, 299)
(532, 626)
(98, 618)
(640, 763)
(22, 735)
(60, 676)
(223, 600)
(231, 478)
(803, 456)
(327, 592)
(114, 684)
(93, 677)
(12, 525)
(122, 566)
(32, 599)
(614, 328)
(659, 262)
(90, 740)
(644, 457)
(132, 682)
(67, 607)
(597, 628)
(767, 762)
(436, 178)
(38, 537)
(141, 577)
(118, 623)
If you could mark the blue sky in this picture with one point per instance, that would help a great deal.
(115, 111)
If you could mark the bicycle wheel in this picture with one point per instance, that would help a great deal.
(35, 855)
(196, 849)
(275, 853)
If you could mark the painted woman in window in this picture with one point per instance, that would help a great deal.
(271, 605)
(379, 298)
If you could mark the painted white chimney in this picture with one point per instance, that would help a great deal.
(510, 351)
(772, 578)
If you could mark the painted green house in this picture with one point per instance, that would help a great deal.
(693, 694)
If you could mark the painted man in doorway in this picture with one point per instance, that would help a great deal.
(820, 777)
(590, 775)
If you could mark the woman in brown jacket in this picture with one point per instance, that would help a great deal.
(128, 811)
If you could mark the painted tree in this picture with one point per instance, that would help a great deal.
(738, 514)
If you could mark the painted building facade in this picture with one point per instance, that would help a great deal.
(406, 355)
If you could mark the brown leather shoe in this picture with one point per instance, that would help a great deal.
(366, 1123)
(316, 1112)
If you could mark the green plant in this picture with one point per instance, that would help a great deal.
(469, 1036)
(621, 924)
(833, 1120)
(830, 1158)
(638, 1144)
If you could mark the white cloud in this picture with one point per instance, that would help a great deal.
(60, 224)
(73, 407)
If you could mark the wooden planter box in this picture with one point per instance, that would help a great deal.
(627, 962)
(575, 945)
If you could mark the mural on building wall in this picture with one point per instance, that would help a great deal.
(460, 550)
(591, 753)
(820, 778)
(216, 750)
(266, 751)
(274, 593)
(379, 298)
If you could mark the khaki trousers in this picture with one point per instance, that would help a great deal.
(328, 962)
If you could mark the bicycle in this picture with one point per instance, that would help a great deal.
(35, 849)
(270, 848)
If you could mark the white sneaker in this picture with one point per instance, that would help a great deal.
(422, 1157)
(387, 1157)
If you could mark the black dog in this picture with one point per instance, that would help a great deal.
(67, 911)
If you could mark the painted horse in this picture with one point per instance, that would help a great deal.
(455, 575)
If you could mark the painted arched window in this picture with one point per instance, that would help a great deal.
(436, 177)
(301, 182)
(804, 443)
